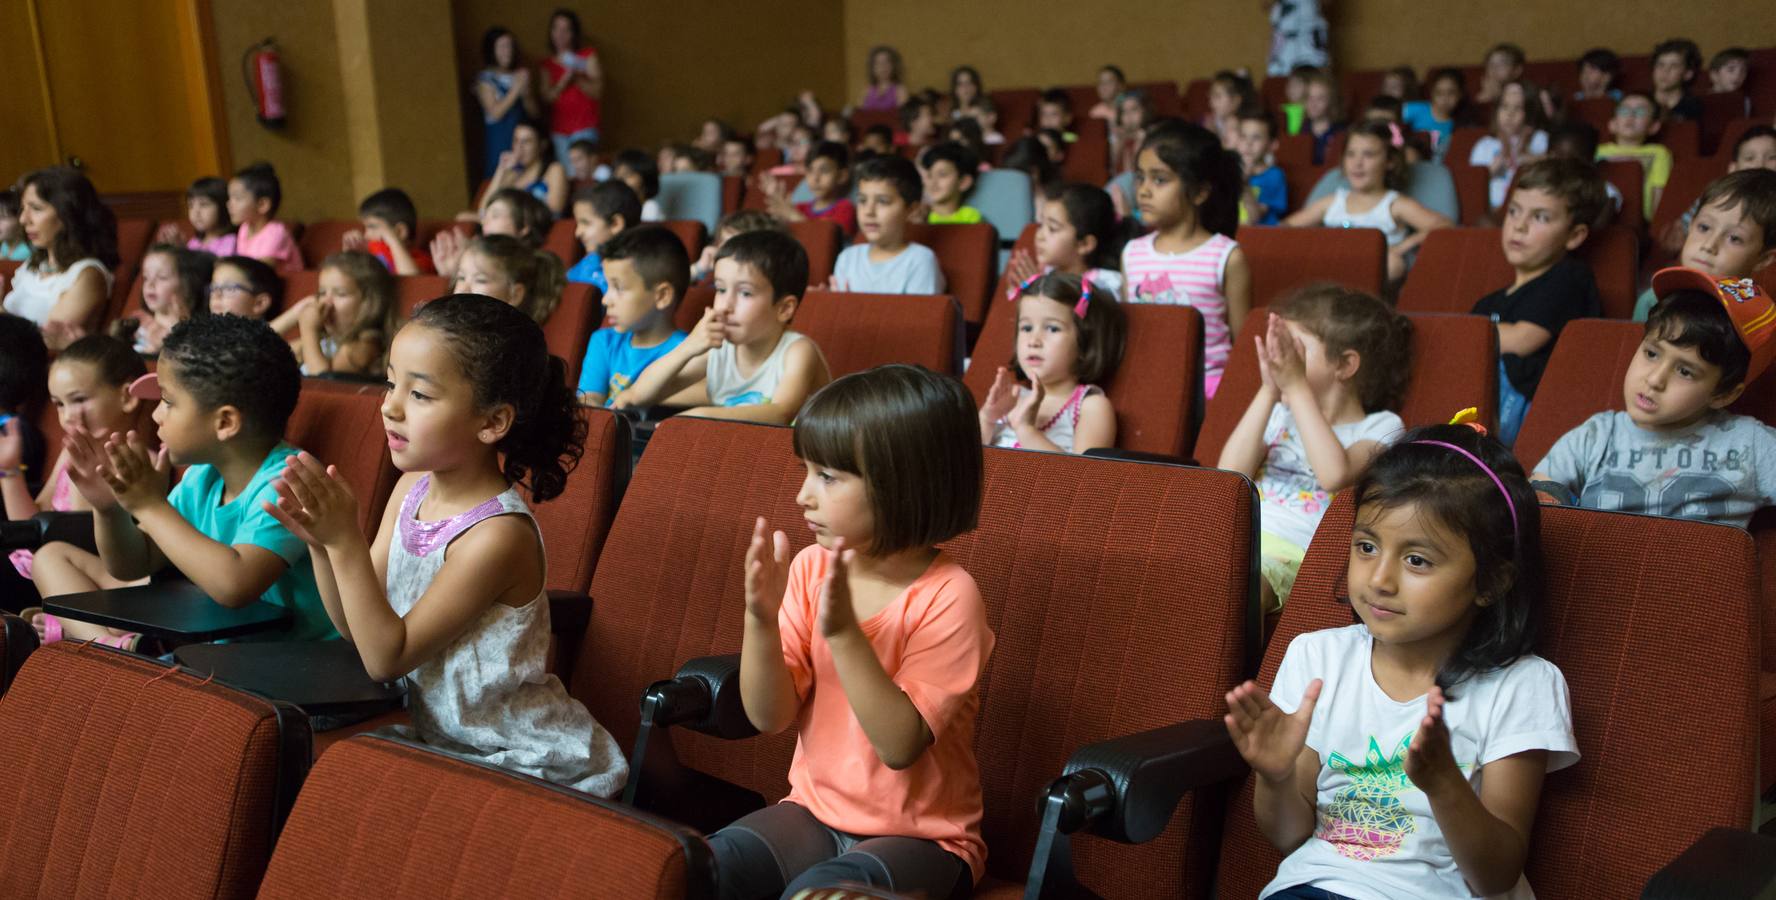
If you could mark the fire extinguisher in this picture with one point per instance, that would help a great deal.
(265, 82)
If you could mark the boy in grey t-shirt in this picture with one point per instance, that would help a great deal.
(1675, 450)
(888, 192)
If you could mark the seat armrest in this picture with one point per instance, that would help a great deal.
(1128, 787)
(29, 534)
(704, 696)
(1724, 863)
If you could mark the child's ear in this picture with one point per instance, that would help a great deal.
(663, 295)
(226, 419)
(1087, 245)
(261, 305)
(1349, 362)
(617, 223)
(263, 205)
(518, 293)
(403, 233)
(130, 402)
(1722, 401)
(1577, 235)
(785, 308)
(966, 184)
(497, 424)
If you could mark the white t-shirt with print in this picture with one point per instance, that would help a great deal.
(1376, 837)
(1292, 501)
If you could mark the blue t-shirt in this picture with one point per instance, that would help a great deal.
(1272, 191)
(198, 498)
(589, 270)
(613, 362)
(1418, 117)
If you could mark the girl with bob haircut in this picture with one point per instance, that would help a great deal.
(1403, 756)
(1070, 335)
(884, 787)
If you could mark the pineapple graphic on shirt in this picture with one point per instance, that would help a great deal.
(1366, 819)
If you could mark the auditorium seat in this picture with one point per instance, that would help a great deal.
(1282, 259)
(1454, 366)
(1629, 178)
(568, 328)
(822, 240)
(1633, 603)
(562, 243)
(697, 298)
(733, 189)
(324, 238)
(340, 424)
(1017, 111)
(1717, 111)
(1731, 132)
(1154, 391)
(413, 290)
(1458, 266)
(691, 195)
(382, 817)
(1689, 178)
(861, 331)
(1025, 243)
(967, 255)
(691, 233)
(1088, 158)
(1153, 560)
(1295, 151)
(1473, 191)
(1683, 139)
(18, 640)
(1196, 99)
(133, 237)
(1462, 141)
(130, 778)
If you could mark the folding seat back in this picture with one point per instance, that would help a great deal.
(1689, 178)
(1596, 113)
(1458, 266)
(1283, 259)
(691, 233)
(1473, 187)
(691, 195)
(822, 240)
(1683, 139)
(1731, 132)
(1164, 94)
(575, 523)
(1629, 179)
(571, 325)
(1630, 664)
(1637, 73)
(966, 254)
(1026, 243)
(1295, 151)
(733, 192)
(1111, 573)
(863, 120)
(133, 236)
(470, 830)
(1463, 139)
(103, 746)
(1454, 366)
(1017, 110)
(1274, 90)
(1155, 389)
(861, 331)
(697, 299)
(9, 268)
(1004, 199)
(1557, 74)
(412, 291)
(1613, 253)
(562, 243)
(1088, 158)
(297, 285)
(1427, 182)
(324, 238)
(1081, 98)
(1717, 111)
(1358, 88)
(340, 424)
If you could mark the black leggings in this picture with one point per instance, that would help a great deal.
(782, 849)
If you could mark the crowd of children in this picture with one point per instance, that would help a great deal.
(1444, 560)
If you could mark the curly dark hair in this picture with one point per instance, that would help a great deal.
(89, 228)
(503, 354)
(239, 362)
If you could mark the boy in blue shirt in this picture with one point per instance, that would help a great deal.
(647, 271)
(1267, 192)
(601, 212)
(226, 388)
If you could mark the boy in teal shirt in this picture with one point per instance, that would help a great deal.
(226, 388)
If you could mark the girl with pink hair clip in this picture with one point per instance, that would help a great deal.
(1070, 336)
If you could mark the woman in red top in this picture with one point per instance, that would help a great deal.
(572, 84)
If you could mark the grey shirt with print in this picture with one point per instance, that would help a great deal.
(1722, 469)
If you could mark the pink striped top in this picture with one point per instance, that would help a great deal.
(1193, 278)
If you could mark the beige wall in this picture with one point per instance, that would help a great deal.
(668, 66)
(1025, 43)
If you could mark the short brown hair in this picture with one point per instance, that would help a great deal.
(1754, 191)
(1102, 331)
(914, 437)
(1348, 319)
(1575, 181)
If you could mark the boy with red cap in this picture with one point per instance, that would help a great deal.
(1675, 450)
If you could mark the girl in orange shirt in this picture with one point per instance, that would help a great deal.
(871, 642)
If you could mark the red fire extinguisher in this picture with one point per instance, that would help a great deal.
(265, 82)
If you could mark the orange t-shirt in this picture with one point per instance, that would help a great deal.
(933, 641)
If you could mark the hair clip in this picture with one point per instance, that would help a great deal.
(1394, 129)
(1085, 295)
(1024, 288)
(1471, 418)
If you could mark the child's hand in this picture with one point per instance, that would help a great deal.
(1024, 412)
(315, 315)
(447, 247)
(1265, 381)
(1001, 397)
(1430, 762)
(710, 332)
(521, 80)
(136, 477)
(169, 234)
(706, 261)
(1285, 355)
(85, 456)
(1021, 268)
(58, 334)
(508, 161)
(837, 616)
(354, 239)
(767, 573)
(316, 504)
(1269, 739)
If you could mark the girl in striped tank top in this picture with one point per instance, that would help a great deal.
(1187, 187)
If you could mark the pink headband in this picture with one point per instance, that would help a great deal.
(1085, 291)
(1509, 503)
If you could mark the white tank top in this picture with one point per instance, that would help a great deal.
(1380, 218)
(34, 292)
(727, 387)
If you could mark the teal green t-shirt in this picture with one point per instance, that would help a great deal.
(198, 498)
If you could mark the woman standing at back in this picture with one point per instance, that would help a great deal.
(573, 84)
(503, 90)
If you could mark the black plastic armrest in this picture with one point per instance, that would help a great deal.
(1126, 788)
(28, 534)
(1724, 863)
(704, 696)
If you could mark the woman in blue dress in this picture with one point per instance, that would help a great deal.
(504, 91)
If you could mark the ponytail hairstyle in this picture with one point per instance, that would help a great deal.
(376, 311)
(503, 354)
(1346, 319)
(1502, 529)
(1091, 213)
(1100, 328)
(1394, 173)
(1196, 156)
(117, 362)
(539, 271)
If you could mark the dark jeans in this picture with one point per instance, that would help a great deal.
(782, 849)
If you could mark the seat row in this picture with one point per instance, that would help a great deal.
(1120, 621)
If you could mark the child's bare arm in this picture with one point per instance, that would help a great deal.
(1312, 214)
(1245, 449)
(1096, 426)
(1421, 219)
(679, 377)
(767, 691)
(232, 575)
(804, 372)
(1334, 465)
(893, 724)
(1274, 744)
(1236, 287)
(1522, 338)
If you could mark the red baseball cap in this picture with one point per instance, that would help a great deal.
(1749, 306)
